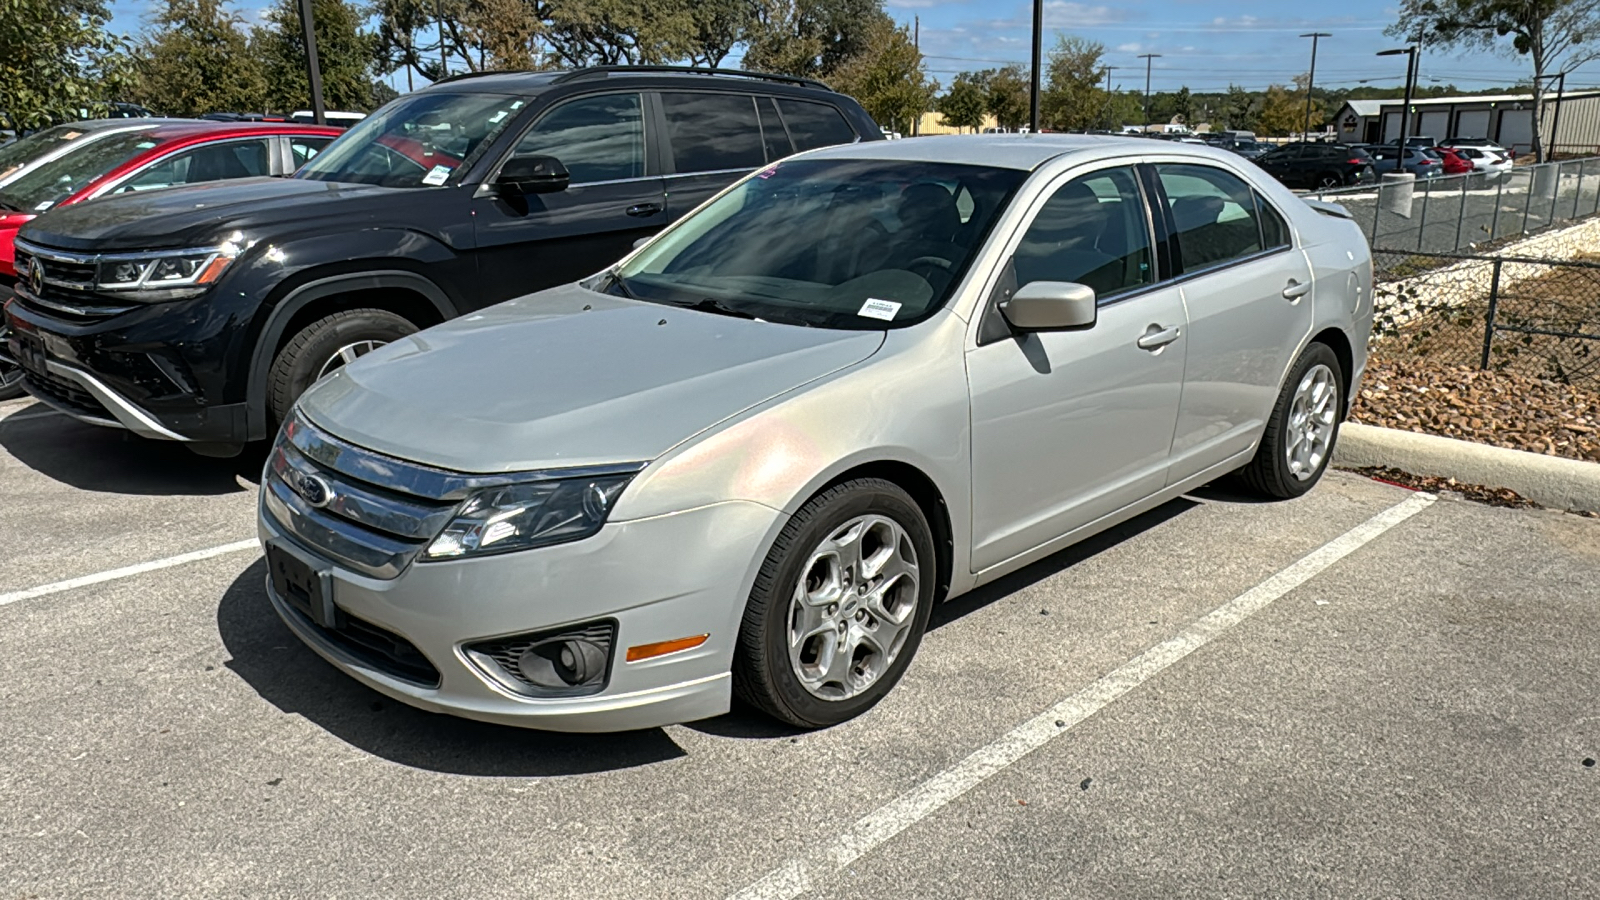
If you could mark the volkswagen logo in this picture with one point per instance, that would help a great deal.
(36, 276)
(312, 488)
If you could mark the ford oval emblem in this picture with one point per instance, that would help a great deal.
(313, 489)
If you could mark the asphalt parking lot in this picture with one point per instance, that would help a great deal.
(1359, 693)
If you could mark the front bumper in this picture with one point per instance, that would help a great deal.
(658, 579)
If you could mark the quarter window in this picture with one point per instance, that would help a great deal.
(814, 125)
(1092, 231)
(1213, 213)
(713, 132)
(597, 138)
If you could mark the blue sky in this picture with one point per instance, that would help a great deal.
(1204, 44)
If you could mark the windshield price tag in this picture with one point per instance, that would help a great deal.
(436, 175)
(879, 309)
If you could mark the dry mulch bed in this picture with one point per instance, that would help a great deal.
(1502, 409)
(1435, 485)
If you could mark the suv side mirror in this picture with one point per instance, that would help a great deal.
(1050, 306)
(532, 174)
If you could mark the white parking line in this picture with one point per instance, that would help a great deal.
(44, 590)
(797, 875)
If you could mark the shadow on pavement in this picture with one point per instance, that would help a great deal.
(113, 461)
(289, 676)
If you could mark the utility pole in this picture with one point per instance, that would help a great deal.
(1311, 79)
(319, 113)
(916, 42)
(1411, 86)
(1148, 58)
(1108, 95)
(444, 66)
(1038, 52)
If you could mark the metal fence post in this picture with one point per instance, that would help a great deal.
(1422, 221)
(1488, 322)
(1577, 195)
(1499, 195)
(1555, 194)
(1462, 215)
(1377, 214)
(1527, 199)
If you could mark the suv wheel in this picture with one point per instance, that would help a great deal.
(839, 606)
(1298, 442)
(325, 346)
(10, 381)
(1329, 180)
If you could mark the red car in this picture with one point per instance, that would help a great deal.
(160, 156)
(1454, 163)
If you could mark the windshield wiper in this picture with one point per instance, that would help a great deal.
(615, 284)
(716, 306)
(9, 206)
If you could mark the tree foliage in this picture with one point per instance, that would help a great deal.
(1073, 99)
(887, 78)
(964, 105)
(813, 38)
(57, 58)
(1006, 96)
(1555, 36)
(345, 54)
(196, 58)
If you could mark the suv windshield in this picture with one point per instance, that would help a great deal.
(416, 141)
(49, 183)
(850, 244)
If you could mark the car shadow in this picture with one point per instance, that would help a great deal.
(113, 461)
(285, 673)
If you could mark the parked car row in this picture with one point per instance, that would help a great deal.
(745, 455)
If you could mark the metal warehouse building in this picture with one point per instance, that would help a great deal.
(1506, 119)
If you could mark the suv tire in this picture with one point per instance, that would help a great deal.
(325, 345)
(840, 571)
(1304, 427)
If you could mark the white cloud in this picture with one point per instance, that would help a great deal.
(1067, 14)
(911, 4)
(1129, 48)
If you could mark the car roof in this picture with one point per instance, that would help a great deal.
(1013, 151)
(171, 129)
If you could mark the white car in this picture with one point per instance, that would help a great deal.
(1490, 162)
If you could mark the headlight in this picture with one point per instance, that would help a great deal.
(519, 516)
(165, 270)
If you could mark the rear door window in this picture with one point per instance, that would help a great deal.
(712, 132)
(814, 125)
(1213, 212)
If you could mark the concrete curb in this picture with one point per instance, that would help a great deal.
(1546, 480)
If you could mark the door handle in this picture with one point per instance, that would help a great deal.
(644, 210)
(1157, 337)
(1296, 290)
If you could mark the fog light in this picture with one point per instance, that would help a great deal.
(563, 664)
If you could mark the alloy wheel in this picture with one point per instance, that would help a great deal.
(346, 355)
(1313, 416)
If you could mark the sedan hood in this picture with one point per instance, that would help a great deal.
(202, 214)
(568, 377)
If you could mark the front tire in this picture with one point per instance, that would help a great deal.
(839, 606)
(10, 382)
(1300, 435)
(326, 345)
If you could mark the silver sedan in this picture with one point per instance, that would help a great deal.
(750, 458)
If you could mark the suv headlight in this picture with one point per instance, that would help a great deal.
(166, 269)
(535, 514)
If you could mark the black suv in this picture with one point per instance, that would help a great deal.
(200, 314)
(1313, 165)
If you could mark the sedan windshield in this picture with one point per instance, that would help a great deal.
(417, 141)
(851, 244)
(51, 182)
(17, 154)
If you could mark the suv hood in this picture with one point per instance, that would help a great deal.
(201, 214)
(569, 377)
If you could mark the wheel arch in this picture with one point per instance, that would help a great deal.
(1336, 340)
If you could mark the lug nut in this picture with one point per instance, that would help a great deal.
(833, 609)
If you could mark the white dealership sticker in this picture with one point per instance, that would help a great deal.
(436, 175)
(879, 309)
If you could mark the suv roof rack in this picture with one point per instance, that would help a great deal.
(602, 71)
(462, 76)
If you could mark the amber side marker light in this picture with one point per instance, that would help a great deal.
(662, 648)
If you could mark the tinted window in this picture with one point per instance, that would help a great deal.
(304, 148)
(814, 125)
(773, 134)
(1214, 214)
(1274, 231)
(712, 132)
(596, 138)
(1092, 231)
(213, 162)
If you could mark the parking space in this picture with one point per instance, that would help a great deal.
(1265, 705)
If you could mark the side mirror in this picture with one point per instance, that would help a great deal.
(532, 174)
(1050, 306)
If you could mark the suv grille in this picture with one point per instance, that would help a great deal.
(67, 286)
(64, 392)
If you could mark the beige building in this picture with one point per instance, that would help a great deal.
(933, 123)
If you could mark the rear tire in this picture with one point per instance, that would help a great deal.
(839, 607)
(1304, 427)
(324, 346)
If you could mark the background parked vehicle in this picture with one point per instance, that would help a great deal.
(1317, 165)
(1490, 165)
(334, 117)
(1453, 163)
(1419, 161)
(466, 193)
(800, 440)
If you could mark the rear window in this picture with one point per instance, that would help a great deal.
(814, 125)
(713, 132)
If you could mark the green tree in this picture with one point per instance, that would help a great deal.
(963, 106)
(1282, 112)
(1006, 96)
(195, 58)
(888, 78)
(57, 58)
(1073, 100)
(1240, 109)
(1555, 36)
(813, 38)
(345, 53)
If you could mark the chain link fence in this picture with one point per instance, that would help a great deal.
(1532, 317)
(1459, 212)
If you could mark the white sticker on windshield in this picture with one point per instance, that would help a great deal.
(879, 309)
(498, 116)
(436, 175)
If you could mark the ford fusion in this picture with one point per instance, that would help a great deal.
(751, 457)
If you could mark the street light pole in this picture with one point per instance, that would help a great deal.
(1147, 57)
(1311, 79)
(319, 113)
(1411, 86)
(1038, 53)
(1108, 94)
